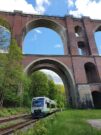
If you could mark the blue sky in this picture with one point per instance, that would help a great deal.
(43, 41)
(98, 41)
(46, 41)
(56, 7)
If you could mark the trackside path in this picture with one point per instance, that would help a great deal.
(95, 123)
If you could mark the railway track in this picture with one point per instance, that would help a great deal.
(11, 118)
(13, 128)
(19, 125)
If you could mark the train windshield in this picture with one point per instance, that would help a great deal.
(38, 102)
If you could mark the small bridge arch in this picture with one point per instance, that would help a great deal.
(48, 23)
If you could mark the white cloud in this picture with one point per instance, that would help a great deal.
(55, 77)
(40, 5)
(41, 2)
(58, 46)
(91, 8)
(35, 34)
(22, 5)
(70, 3)
(38, 31)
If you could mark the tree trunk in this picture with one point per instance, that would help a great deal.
(1, 99)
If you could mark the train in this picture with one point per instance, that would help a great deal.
(42, 106)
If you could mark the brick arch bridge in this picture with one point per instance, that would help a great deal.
(81, 78)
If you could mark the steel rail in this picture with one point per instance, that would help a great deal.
(3, 120)
(11, 129)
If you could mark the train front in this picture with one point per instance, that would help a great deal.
(37, 107)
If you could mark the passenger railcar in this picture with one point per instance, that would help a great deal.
(42, 106)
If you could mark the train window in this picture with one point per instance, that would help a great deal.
(48, 105)
(38, 102)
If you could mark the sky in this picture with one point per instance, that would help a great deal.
(46, 41)
(54, 76)
(38, 42)
(55, 7)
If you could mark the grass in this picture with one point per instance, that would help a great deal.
(70, 122)
(4, 112)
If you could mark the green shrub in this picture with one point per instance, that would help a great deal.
(12, 100)
(13, 111)
(40, 129)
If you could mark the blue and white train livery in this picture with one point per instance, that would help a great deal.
(42, 106)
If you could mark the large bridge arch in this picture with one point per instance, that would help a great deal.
(48, 23)
(63, 71)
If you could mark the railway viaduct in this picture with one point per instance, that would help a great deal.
(79, 67)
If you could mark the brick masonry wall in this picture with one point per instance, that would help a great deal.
(19, 23)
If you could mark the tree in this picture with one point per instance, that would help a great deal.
(4, 42)
(14, 73)
(43, 85)
(60, 97)
(13, 76)
(39, 84)
(52, 89)
(3, 63)
(26, 91)
(14, 69)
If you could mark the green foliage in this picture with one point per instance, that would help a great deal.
(12, 76)
(11, 99)
(3, 63)
(14, 62)
(52, 89)
(26, 91)
(16, 88)
(15, 54)
(4, 112)
(66, 123)
(60, 87)
(26, 99)
(43, 85)
(40, 129)
(60, 97)
(39, 84)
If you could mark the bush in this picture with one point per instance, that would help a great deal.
(4, 112)
(26, 99)
(11, 100)
(38, 129)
